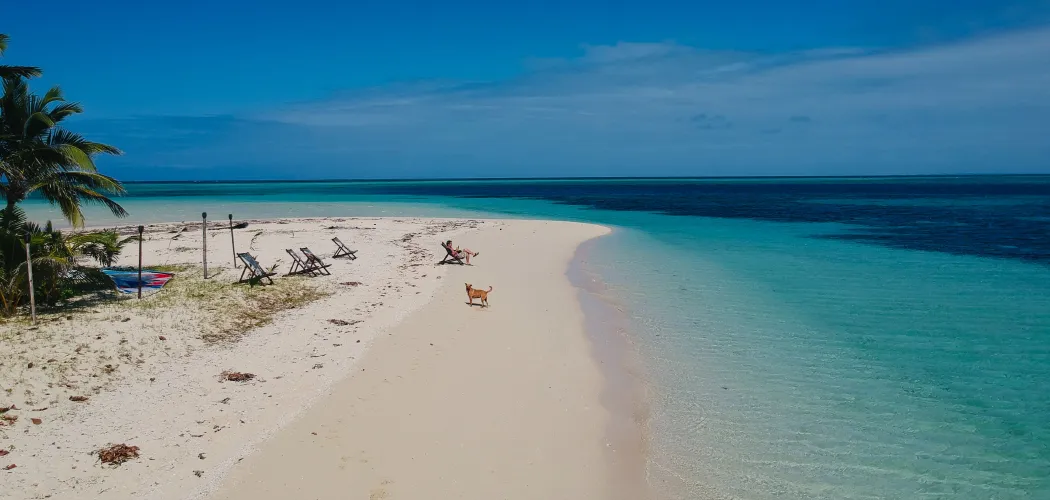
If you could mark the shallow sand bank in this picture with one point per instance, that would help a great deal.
(460, 402)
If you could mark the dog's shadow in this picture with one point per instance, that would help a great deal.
(483, 306)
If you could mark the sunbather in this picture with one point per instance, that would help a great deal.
(463, 253)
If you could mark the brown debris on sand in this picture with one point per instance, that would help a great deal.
(117, 454)
(36, 421)
(351, 283)
(236, 376)
(78, 399)
(339, 322)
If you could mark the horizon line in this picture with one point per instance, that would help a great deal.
(578, 178)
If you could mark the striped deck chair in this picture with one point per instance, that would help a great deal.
(256, 272)
(315, 261)
(342, 250)
(299, 265)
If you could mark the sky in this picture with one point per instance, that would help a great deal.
(393, 89)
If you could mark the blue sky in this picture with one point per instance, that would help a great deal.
(276, 90)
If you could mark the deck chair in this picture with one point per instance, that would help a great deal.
(315, 261)
(450, 256)
(257, 273)
(300, 266)
(342, 250)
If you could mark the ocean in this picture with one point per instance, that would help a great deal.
(801, 338)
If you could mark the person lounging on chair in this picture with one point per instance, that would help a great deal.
(458, 255)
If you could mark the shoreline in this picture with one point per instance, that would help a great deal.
(624, 393)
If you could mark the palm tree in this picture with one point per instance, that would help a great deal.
(7, 72)
(56, 271)
(36, 155)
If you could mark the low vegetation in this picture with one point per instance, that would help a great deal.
(232, 309)
(76, 350)
(63, 264)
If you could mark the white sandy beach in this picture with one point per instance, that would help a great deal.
(417, 395)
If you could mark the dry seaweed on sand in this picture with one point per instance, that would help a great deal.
(236, 376)
(78, 399)
(117, 454)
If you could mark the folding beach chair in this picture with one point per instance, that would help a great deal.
(256, 272)
(300, 266)
(315, 261)
(342, 250)
(450, 256)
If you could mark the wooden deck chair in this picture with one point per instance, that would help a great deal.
(450, 256)
(315, 261)
(300, 266)
(256, 272)
(342, 250)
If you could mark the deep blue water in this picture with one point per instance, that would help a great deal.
(986, 216)
(825, 338)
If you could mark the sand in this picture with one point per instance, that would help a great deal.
(417, 395)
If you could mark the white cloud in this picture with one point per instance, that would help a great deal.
(662, 108)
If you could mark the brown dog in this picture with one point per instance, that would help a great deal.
(474, 293)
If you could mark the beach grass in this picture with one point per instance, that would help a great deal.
(234, 308)
(231, 309)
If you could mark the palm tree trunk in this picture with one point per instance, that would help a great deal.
(12, 255)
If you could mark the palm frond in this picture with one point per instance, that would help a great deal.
(93, 180)
(69, 197)
(63, 136)
(64, 110)
(53, 94)
(37, 124)
(102, 246)
(76, 157)
(13, 219)
(13, 72)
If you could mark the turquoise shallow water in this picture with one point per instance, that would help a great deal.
(786, 367)
(823, 343)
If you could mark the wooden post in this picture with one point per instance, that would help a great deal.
(140, 260)
(29, 267)
(233, 243)
(204, 230)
